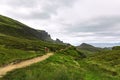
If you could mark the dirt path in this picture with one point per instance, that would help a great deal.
(23, 64)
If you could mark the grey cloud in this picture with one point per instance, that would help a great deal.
(21, 3)
(47, 8)
(64, 19)
(30, 3)
(96, 25)
(63, 2)
(96, 29)
(112, 34)
(98, 34)
(37, 15)
(52, 7)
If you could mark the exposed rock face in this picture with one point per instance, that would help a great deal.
(44, 35)
(59, 41)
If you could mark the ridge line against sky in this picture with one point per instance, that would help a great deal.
(73, 21)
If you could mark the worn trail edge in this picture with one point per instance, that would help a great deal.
(4, 70)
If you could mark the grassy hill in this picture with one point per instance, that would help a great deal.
(103, 66)
(14, 28)
(70, 64)
(89, 49)
(19, 41)
(61, 66)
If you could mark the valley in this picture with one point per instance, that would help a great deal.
(31, 54)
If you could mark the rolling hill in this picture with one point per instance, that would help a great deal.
(20, 36)
(88, 47)
(18, 41)
(70, 64)
(14, 28)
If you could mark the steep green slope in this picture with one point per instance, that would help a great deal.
(14, 28)
(21, 39)
(28, 45)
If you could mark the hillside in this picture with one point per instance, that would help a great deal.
(14, 28)
(57, 67)
(70, 64)
(14, 34)
(104, 65)
(88, 47)
(19, 42)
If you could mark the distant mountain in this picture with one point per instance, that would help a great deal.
(88, 47)
(14, 28)
(105, 44)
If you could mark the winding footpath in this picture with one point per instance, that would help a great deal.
(6, 69)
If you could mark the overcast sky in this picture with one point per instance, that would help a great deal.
(73, 21)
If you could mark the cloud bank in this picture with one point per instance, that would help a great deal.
(73, 21)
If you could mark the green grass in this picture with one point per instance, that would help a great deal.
(19, 42)
(15, 28)
(10, 21)
(14, 49)
(64, 66)
(13, 55)
(116, 48)
(25, 44)
(57, 67)
(104, 65)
